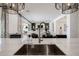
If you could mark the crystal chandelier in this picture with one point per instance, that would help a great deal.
(67, 8)
(13, 7)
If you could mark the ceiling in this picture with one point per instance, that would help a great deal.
(38, 12)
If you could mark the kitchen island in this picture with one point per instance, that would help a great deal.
(9, 46)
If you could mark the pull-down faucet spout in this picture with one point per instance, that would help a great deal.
(40, 31)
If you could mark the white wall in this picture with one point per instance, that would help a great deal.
(62, 22)
(73, 25)
(78, 24)
(56, 23)
(0, 20)
(51, 27)
(74, 22)
(68, 26)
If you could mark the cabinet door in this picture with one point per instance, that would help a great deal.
(13, 23)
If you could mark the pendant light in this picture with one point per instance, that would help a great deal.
(67, 8)
(13, 8)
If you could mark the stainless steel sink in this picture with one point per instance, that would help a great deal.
(42, 49)
(36, 50)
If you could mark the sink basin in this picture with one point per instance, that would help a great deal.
(36, 50)
(54, 50)
(42, 49)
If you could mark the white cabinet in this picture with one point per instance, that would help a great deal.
(13, 23)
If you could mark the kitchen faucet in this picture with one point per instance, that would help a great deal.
(40, 31)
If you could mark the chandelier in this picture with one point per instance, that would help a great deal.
(13, 7)
(67, 8)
